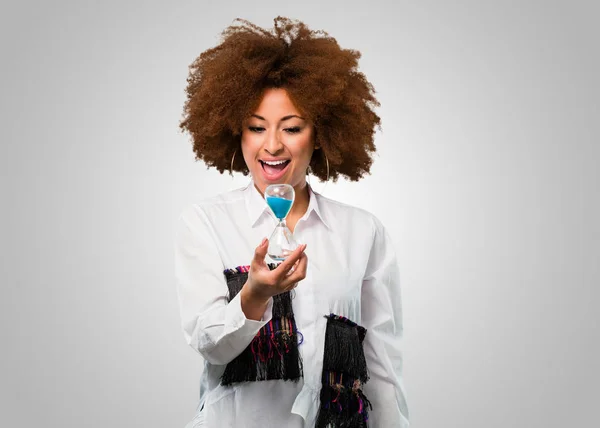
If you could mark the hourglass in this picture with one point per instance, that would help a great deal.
(280, 198)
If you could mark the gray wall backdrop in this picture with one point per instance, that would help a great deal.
(486, 176)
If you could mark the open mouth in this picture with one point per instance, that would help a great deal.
(274, 170)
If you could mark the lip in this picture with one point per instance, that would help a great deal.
(274, 177)
(273, 159)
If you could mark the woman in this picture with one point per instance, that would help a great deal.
(315, 340)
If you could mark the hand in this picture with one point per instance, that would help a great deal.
(263, 283)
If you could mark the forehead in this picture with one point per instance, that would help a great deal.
(274, 102)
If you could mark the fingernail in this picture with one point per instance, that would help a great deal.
(263, 242)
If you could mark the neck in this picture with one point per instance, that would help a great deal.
(301, 200)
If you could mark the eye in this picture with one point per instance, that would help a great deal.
(259, 129)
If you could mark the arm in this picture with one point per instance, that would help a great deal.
(218, 330)
(381, 315)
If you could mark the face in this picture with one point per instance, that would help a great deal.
(277, 142)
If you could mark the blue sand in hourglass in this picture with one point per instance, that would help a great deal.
(280, 206)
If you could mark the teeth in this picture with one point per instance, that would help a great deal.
(275, 162)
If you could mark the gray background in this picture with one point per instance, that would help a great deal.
(486, 177)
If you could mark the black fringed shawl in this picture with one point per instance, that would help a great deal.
(274, 354)
(343, 404)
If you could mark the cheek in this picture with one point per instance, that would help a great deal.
(248, 159)
(305, 149)
(248, 146)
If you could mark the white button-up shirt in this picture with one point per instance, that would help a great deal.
(352, 271)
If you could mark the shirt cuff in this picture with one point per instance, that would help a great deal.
(236, 322)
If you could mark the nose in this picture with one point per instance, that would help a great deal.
(273, 144)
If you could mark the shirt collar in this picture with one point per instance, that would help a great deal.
(257, 206)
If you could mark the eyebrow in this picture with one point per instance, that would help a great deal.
(282, 119)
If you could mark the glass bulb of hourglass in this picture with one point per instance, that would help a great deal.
(280, 198)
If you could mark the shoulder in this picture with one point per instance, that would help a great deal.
(350, 216)
(206, 209)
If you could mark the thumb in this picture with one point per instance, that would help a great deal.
(261, 251)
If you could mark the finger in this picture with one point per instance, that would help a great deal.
(285, 265)
(299, 272)
(293, 268)
(291, 286)
(261, 251)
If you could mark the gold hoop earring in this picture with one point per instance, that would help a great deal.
(309, 169)
(231, 167)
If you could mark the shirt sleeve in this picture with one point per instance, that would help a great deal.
(218, 330)
(381, 315)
